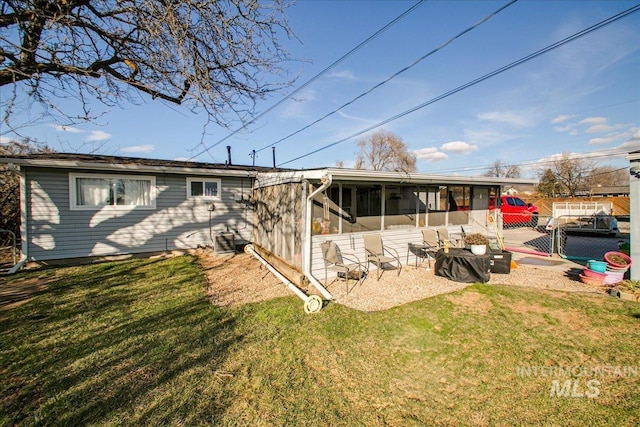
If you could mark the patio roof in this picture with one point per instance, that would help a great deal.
(360, 175)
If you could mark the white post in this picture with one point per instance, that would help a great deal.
(634, 202)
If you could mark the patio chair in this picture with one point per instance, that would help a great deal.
(443, 236)
(432, 243)
(379, 255)
(335, 261)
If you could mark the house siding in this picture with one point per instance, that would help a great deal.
(56, 232)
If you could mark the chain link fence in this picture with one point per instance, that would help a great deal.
(587, 237)
(575, 237)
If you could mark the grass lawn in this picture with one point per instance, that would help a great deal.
(137, 342)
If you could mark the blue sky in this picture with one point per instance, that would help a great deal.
(581, 98)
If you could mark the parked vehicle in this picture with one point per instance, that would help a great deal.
(515, 211)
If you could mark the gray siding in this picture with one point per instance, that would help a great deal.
(55, 231)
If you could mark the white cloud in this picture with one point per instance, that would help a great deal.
(593, 121)
(98, 135)
(6, 140)
(599, 128)
(295, 107)
(430, 154)
(633, 142)
(561, 119)
(507, 117)
(70, 129)
(459, 147)
(600, 140)
(567, 128)
(346, 74)
(146, 148)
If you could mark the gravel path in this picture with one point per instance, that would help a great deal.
(240, 279)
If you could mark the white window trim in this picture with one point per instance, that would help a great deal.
(218, 181)
(73, 193)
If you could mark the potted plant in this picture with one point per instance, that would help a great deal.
(477, 243)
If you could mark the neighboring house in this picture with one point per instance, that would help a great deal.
(612, 191)
(87, 205)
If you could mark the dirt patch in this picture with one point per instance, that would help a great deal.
(471, 301)
(235, 279)
(570, 318)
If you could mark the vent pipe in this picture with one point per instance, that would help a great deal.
(273, 150)
(229, 155)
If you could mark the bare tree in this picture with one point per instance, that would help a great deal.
(608, 176)
(10, 183)
(571, 172)
(212, 55)
(502, 170)
(384, 151)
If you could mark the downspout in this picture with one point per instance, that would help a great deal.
(307, 249)
(312, 303)
(25, 209)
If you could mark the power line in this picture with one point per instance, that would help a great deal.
(391, 77)
(478, 80)
(314, 78)
(537, 162)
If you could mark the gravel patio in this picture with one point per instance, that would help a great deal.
(240, 278)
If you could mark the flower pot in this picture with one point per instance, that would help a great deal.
(625, 264)
(478, 249)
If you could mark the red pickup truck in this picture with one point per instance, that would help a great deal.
(515, 211)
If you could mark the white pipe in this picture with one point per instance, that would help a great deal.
(307, 250)
(19, 265)
(283, 279)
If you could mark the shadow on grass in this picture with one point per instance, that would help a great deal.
(92, 348)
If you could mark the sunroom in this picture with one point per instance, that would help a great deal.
(297, 211)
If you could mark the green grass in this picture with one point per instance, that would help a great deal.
(137, 343)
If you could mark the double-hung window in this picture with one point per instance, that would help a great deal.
(203, 188)
(118, 191)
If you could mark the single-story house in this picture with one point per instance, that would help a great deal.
(77, 205)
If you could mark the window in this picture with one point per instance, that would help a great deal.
(118, 191)
(205, 188)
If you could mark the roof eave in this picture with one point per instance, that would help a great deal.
(415, 178)
(123, 167)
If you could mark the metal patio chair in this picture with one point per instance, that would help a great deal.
(379, 255)
(335, 261)
(443, 236)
